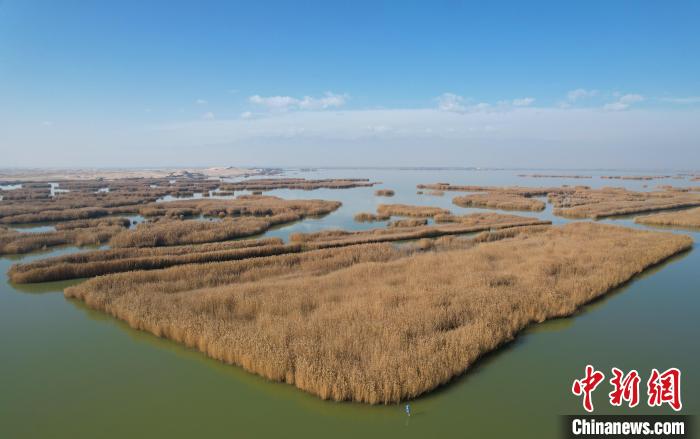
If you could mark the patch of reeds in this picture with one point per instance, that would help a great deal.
(266, 184)
(13, 242)
(499, 200)
(682, 218)
(98, 222)
(177, 232)
(634, 177)
(516, 190)
(605, 202)
(410, 210)
(464, 225)
(384, 193)
(101, 262)
(409, 222)
(553, 176)
(409, 324)
(366, 217)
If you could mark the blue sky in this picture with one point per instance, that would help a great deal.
(516, 84)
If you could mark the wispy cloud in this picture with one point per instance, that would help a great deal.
(523, 102)
(450, 102)
(286, 103)
(200, 102)
(208, 116)
(580, 93)
(623, 102)
(454, 103)
(683, 101)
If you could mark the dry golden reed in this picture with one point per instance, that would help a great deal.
(499, 200)
(367, 217)
(384, 193)
(682, 218)
(100, 262)
(13, 242)
(408, 222)
(408, 324)
(409, 210)
(606, 202)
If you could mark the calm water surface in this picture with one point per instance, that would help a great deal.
(68, 372)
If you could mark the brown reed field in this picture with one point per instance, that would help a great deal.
(13, 242)
(367, 217)
(265, 184)
(409, 210)
(410, 321)
(553, 176)
(635, 177)
(100, 262)
(178, 232)
(606, 202)
(499, 200)
(409, 222)
(515, 190)
(466, 224)
(384, 193)
(689, 218)
(98, 222)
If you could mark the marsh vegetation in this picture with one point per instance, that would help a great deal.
(411, 322)
(689, 218)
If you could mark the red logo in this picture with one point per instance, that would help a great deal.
(587, 385)
(662, 388)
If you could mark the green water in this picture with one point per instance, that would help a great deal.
(67, 371)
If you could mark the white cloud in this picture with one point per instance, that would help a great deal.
(450, 102)
(453, 103)
(523, 102)
(580, 93)
(200, 102)
(286, 103)
(246, 115)
(683, 101)
(208, 116)
(494, 137)
(623, 102)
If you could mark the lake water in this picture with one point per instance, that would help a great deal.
(68, 372)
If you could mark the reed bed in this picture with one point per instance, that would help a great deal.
(606, 202)
(478, 223)
(409, 222)
(244, 205)
(101, 262)
(554, 176)
(177, 232)
(67, 214)
(516, 190)
(635, 177)
(490, 219)
(670, 188)
(409, 210)
(13, 242)
(409, 324)
(683, 218)
(499, 200)
(98, 222)
(384, 193)
(367, 217)
(266, 184)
